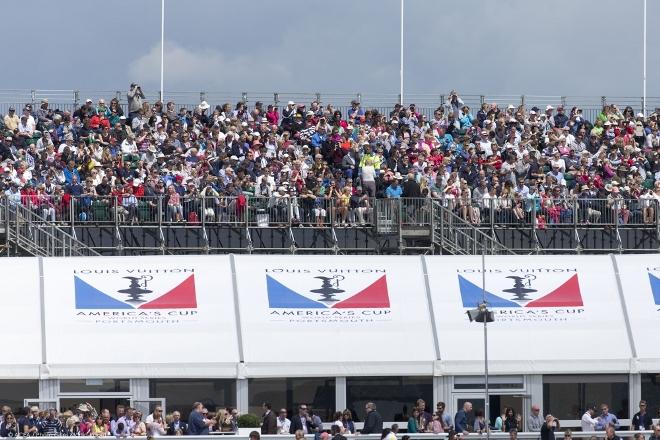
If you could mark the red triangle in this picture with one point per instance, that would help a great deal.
(181, 297)
(373, 297)
(566, 295)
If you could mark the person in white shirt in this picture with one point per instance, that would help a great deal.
(283, 424)
(588, 422)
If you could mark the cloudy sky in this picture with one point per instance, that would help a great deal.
(503, 47)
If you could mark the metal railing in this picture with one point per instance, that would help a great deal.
(27, 230)
(426, 103)
(244, 435)
(62, 224)
(458, 235)
(388, 214)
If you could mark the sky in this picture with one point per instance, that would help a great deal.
(502, 47)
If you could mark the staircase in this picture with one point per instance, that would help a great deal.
(453, 235)
(27, 233)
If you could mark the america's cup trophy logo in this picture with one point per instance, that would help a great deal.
(137, 288)
(329, 288)
(521, 287)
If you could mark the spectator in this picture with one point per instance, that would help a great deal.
(177, 426)
(549, 427)
(197, 424)
(373, 422)
(9, 426)
(268, 420)
(347, 422)
(414, 422)
(606, 419)
(283, 424)
(512, 420)
(656, 433)
(610, 433)
(302, 421)
(535, 421)
(461, 418)
(642, 420)
(445, 417)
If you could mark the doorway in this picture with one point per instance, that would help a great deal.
(497, 402)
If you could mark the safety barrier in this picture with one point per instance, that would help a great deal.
(426, 103)
(319, 211)
(244, 435)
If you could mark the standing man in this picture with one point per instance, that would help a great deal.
(373, 423)
(197, 423)
(642, 421)
(302, 421)
(549, 427)
(461, 419)
(535, 421)
(606, 419)
(588, 422)
(268, 420)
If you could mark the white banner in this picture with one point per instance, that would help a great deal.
(144, 316)
(640, 281)
(324, 315)
(21, 318)
(553, 314)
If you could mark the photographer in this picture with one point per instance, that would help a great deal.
(9, 427)
(549, 427)
(135, 99)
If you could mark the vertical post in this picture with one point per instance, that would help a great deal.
(483, 300)
(401, 60)
(644, 63)
(318, 99)
(244, 97)
(162, 47)
(276, 99)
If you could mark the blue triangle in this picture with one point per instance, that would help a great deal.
(281, 297)
(89, 297)
(472, 295)
(655, 288)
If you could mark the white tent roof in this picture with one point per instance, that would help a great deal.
(376, 319)
(555, 314)
(160, 316)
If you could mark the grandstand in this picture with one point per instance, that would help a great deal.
(386, 210)
(602, 197)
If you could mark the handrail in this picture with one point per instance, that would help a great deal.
(244, 435)
(38, 236)
(449, 235)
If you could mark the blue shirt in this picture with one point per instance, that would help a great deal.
(393, 193)
(196, 425)
(460, 421)
(604, 421)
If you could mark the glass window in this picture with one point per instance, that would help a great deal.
(494, 383)
(567, 396)
(318, 393)
(94, 385)
(394, 396)
(180, 394)
(12, 392)
(651, 393)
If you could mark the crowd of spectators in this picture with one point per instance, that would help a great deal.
(307, 163)
(84, 420)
